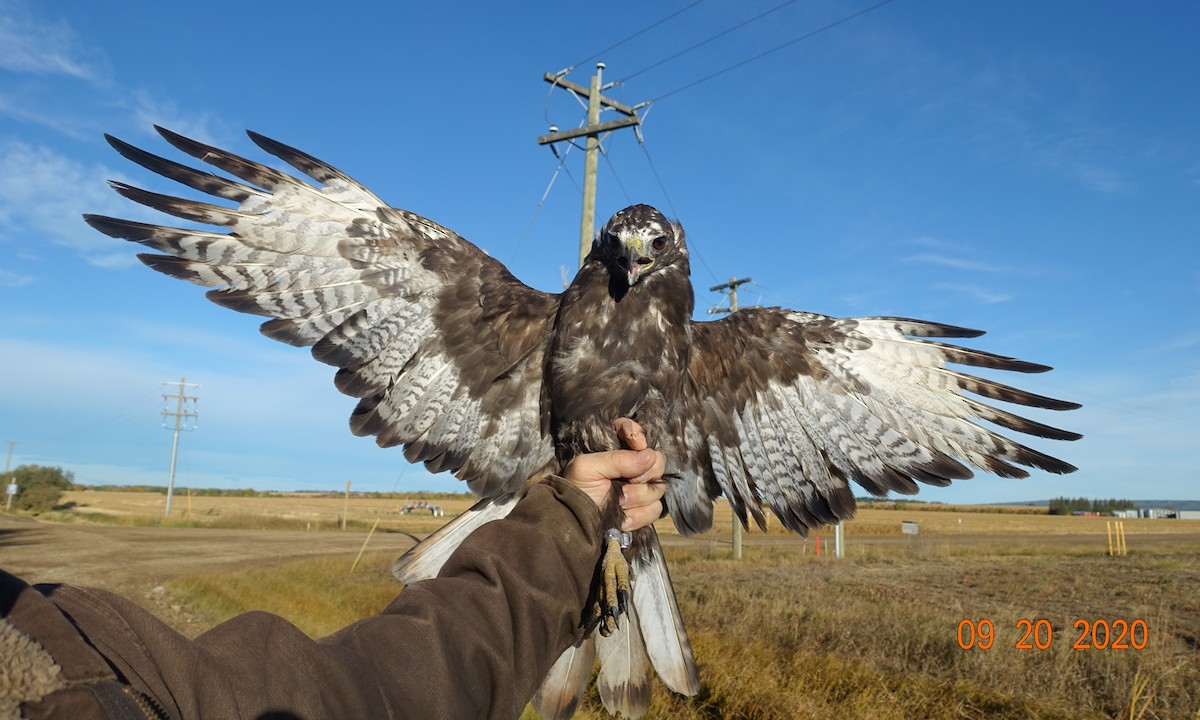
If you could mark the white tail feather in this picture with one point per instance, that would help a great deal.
(563, 688)
(624, 679)
(425, 559)
(666, 640)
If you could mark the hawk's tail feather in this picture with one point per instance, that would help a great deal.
(560, 693)
(624, 677)
(662, 629)
(424, 560)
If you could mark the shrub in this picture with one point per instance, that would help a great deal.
(39, 487)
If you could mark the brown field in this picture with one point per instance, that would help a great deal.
(782, 634)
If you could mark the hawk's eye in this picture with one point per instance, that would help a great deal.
(659, 244)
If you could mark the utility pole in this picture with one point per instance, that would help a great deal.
(11, 490)
(593, 130)
(731, 288)
(181, 413)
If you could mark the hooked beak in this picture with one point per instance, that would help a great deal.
(635, 260)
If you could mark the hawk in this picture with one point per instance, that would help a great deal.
(475, 373)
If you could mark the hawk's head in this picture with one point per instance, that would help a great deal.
(638, 242)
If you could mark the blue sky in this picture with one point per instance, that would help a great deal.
(1028, 168)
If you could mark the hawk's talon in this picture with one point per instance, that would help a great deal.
(614, 590)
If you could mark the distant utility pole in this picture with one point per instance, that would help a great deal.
(593, 130)
(11, 490)
(731, 289)
(182, 414)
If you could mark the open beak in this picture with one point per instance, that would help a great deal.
(635, 260)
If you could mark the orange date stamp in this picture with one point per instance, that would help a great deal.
(1095, 634)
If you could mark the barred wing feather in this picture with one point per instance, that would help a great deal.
(782, 409)
(441, 344)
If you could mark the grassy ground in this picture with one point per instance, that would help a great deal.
(783, 634)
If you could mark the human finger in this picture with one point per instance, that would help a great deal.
(641, 516)
(654, 472)
(641, 504)
(630, 433)
(617, 464)
(594, 473)
(633, 496)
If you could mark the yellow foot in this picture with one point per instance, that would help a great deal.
(614, 588)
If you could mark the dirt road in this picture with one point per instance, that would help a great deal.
(137, 561)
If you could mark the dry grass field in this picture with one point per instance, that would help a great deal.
(787, 634)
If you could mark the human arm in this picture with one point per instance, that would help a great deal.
(474, 641)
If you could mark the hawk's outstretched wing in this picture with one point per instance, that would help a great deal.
(784, 408)
(442, 344)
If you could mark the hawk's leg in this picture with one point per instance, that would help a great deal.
(614, 590)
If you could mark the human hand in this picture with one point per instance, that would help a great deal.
(640, 468)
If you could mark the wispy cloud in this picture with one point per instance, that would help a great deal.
(13, 280)
(958, 263)
(963, 256)
(149, 111)
(28, 110)
(1183, 341)
(974, 292)
(29, 44)
(43, 193)
(1074, 158)
(61, 83)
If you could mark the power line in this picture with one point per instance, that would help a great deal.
(695, 247)
(775, 49)
(702, 43)
(616, 177)
(619, 43)
(562, 159)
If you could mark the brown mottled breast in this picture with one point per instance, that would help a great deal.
(617, 352)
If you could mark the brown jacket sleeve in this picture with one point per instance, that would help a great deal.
(474, 642)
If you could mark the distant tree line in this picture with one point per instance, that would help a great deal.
(250, 492)
(1066, 506)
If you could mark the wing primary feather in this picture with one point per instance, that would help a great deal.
(240, 167)
(179, 207)
(144, 232)
(1007, 393)
(1020, 424)
(196, 179)
(982, 358)
(302, 161)
(1032, 458)
(924, 328)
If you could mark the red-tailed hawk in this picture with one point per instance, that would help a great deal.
(475, 373)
